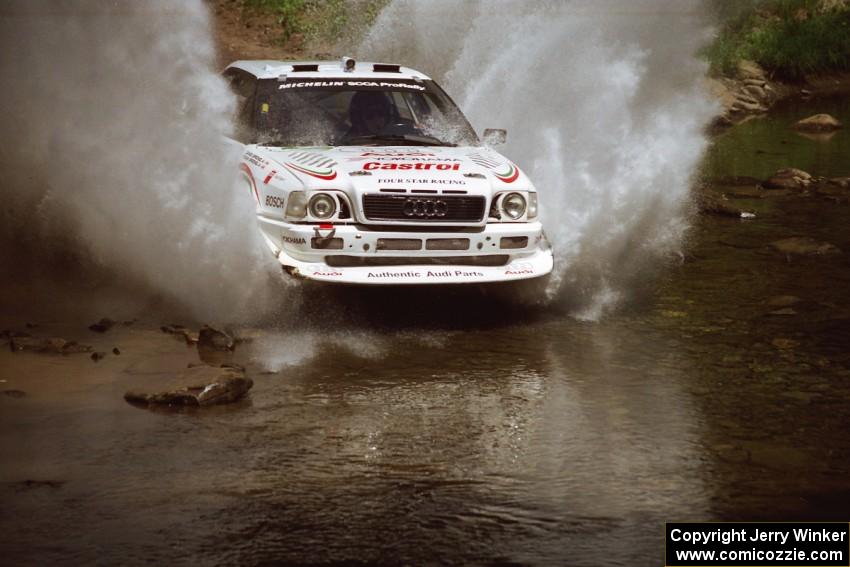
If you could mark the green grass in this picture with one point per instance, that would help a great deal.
(320, 20)
(788, 38)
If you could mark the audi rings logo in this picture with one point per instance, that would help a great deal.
(425, 208)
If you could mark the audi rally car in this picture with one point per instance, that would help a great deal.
(368, 173)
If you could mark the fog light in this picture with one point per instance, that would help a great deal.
(296, 206)
(513, 242)
(447, 244)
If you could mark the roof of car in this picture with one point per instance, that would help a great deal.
(268, 69)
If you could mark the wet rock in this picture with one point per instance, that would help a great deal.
(225, 392)
(102, 326)
(843, 182)
(804, 246)
(785, 344)
(787, 311)
(181, 332)
(789, 178)
(49, 346)
(174, 398)
(213, 339)
(749, 70)
(14, 393)
(98, 356)
(783, 300)
(783, 183)
(199, 386)
(713, 204)
(755, 91)
(745, 104)
(818, 123)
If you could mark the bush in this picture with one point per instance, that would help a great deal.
(789, 38)
(320, 20)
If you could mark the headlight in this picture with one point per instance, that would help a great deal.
(532, 205)
(513, 204)
(322, 206)
(296, 206)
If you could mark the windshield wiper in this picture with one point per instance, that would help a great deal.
(421, 139)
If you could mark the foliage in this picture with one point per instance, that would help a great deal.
(789, 38)
(320, 20)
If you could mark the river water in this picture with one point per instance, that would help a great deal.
(426, 427)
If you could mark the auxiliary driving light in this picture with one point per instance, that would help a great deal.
(296, 206)
(322, 206)
(513, 204)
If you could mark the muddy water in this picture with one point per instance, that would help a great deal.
(430, 427)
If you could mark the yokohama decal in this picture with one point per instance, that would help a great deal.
(327, 174)
(247, 171)
(509, 176)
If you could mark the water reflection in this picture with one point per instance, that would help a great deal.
(546, 440)
(539, 441)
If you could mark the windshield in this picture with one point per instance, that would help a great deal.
(345, 112)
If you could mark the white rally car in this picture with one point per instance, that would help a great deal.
(368, 173)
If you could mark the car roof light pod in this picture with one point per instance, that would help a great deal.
(348, 64)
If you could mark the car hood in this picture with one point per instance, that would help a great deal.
(363, 169)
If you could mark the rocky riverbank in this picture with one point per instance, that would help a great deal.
(752, 91)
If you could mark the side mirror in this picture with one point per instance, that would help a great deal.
(495, 137)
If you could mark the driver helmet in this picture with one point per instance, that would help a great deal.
(370, 112)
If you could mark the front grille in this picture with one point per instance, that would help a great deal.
(342, 261)
(430, 209)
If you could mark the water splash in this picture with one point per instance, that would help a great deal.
(114, 152)
(605, 109)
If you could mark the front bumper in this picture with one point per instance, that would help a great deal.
(362, 256)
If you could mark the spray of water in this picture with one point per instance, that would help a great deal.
(605, 109)
(113, 121)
